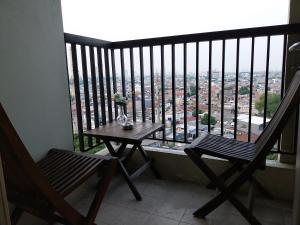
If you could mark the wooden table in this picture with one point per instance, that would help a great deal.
(114, 132)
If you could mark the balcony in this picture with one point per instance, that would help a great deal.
(168, 83)
(186, 82)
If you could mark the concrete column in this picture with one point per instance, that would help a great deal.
(292, 62)
(33, 74)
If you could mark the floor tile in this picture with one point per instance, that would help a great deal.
(156, 220)
(117, 215)
(269, 214)
(28, 219)
(189, 218)
(288, 216)
(228, 219)
(166, 203)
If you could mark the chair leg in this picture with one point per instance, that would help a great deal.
(225, 175)
(251, 196)
(222, 197)
(260, 188)
(109, 172)
(16, 215)
(214, 203)
(238, 167)
(207, 208)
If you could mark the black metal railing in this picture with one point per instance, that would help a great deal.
(98, 68)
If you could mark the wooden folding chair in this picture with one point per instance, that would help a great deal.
(39, 188)
(250, 155)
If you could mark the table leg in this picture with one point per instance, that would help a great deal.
(134, 190)
(147, 158)
(112, 151)
(118, 153)
(131, 152)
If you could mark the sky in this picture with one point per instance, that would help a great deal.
(116, 20)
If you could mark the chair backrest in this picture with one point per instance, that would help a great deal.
(272, 132)
(19, 168)
(25, 184)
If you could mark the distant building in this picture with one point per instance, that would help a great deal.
(257, 123)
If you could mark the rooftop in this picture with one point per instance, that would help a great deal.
(254, 119)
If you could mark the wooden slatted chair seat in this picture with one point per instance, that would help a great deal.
(65, 169)
(39, 188)
(225, 148)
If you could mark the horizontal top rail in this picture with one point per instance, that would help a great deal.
(77, 39)
(209, 36)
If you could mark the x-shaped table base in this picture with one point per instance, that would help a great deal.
(123, 159)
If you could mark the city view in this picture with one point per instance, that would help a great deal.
(243, 101)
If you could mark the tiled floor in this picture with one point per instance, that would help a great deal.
(168, 203)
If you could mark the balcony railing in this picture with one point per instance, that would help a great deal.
(173, 80)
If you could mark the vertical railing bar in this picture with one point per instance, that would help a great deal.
(236, 85)
(209, 83)
(101, 86)
(267, 81)
(152, 85)
(162, 56)
(223, 85)
(86, 91)
(173, 93)
(283, 77)
(132, 84)
(284, 54)
(251, 88)
(197, 89)
(94, 89)
(283, 65)
(70, 97)
(123, 75)
(142, 83)
(77, 96)
(114, 76)
(184, 90)
(108, 85)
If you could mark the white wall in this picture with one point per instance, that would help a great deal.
(33, 74)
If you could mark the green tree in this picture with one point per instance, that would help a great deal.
(244, 90)
(192, 91)
(204, 119)
(273, 100)
(97, 148)
(194, 112)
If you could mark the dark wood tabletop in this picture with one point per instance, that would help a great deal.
(114, 132)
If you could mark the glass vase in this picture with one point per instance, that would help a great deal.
(122, 118)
